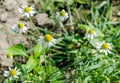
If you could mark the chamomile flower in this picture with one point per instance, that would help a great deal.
(90, 34)
(12, 73)
(19, 28)
(9, 55)
(62, 15)
(104, 47)
(47, 40)
(27, 11)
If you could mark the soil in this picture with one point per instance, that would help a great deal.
(9, 16)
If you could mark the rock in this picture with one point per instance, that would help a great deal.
(118, 14)
(10, 16)
(8, 40)
(13, 19)
(10, 4)
(37, 5)
(42, 19)
(4, 61)
(3, 16)
(22, 2)
(12, 39)
(3, 43)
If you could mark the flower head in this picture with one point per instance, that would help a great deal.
(9, 55)
(27, 11)
(90, 34)
(47, 40)
(19, 28)
(62, 15)
(104, 47)
(12, 73)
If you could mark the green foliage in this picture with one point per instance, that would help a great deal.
(100, 4)
(17, 49)
(38, 50)
(82, 1)
(74, 59)
(31, 63)
(85, 27)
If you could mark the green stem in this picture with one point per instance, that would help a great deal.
(16, 80)
(33, 24)
(62, 27)
(71, 20)
(45, 67)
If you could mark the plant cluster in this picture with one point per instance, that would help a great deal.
(85, 52)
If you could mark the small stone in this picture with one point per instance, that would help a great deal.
(11, 21)
(43, 19)
(22, 2)
(3, 16)
(3, 43)
(118, 14)
(4, 61)
(12, 40)
(10, 4)
(8, 40)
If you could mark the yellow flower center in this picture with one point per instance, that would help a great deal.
(91, 31)
(62, 13)
(48, 38)
(27, 9)
(9, 55)
(20, 25)
(105, 46)
(13, 72)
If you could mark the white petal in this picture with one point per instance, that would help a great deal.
(15, 68)
(101, 50)
(41, 40)
(50, 44)
(6, 73)
(10, 78)
(22, 7)
(91, 36)
(109, 51)
(106, 53)
(31, 7)
(54, 41)
(18, 73)
(15, 76)
(9, 68)
(46, 45)
(32, 12)
(26, 15)
(20, 10)
(57, 13)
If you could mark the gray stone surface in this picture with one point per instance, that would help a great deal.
(42, 19)
(9, 16)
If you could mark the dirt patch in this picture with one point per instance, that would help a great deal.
(9, 16)
(42, 19)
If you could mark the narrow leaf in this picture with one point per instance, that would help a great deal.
(31, 63)
(38, 50)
